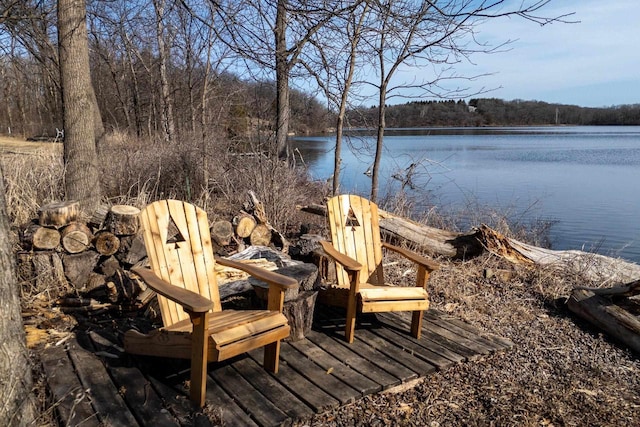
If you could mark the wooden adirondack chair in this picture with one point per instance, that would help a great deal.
(178, 243)
(357, 249)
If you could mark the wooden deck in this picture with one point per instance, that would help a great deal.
(95, 383)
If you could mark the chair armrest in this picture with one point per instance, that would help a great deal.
(347, 262)
(190, 301)
(430, 265)
(272, 278)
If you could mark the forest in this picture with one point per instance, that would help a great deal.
(495, 112)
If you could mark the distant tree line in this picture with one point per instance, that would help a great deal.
(495, 112)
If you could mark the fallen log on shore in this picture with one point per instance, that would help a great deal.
(589, 266)
(432, 240)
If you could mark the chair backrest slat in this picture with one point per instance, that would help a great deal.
(179, 247)
(355, 231)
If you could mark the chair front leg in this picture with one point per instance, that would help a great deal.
(199, 350)
(350, 324)
(422, 277)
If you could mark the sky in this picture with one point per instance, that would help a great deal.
(592, 63)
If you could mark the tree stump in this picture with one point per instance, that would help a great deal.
(42, 238)
(58, 214)
(122, 220)
(299, 303)
(76, 237)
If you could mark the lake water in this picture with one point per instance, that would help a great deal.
(585, 179)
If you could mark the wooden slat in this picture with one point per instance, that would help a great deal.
(439, 335)
(389, 293)
(107, 401)
(308, 392)
(214, 294)
(329, 363)
(271, 388)
(499, 343)
(252, 327)
(261, 409)
(392, 351)
(70, 398)
(320, 377)
(179, 405)
(141, 397)
(232, 414)
(364, 350)
(353, 360)
(414, 347)
(386, 306)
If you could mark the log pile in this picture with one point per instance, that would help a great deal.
(250, 227)
(63, 255)
(61, 252)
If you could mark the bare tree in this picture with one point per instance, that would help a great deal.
(17, 408)
(82, 179)
(434, 36)
(166, 98)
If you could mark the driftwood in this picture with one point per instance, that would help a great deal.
(628, 290)
(593, 267)
(607, 316)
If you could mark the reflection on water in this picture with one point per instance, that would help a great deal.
(583, 177)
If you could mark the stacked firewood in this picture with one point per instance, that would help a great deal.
(92, 257)
(250, 227)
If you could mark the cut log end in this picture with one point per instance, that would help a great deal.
(122, 220)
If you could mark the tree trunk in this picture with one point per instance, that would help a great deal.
(17, 408)
(82, 179)
(282, 81)
(166, 101)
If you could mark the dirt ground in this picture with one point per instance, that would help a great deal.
(561, 372)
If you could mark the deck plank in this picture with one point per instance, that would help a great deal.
(354, 360)
(318, 373)
(314, 373)
(71, 400)
(308, 392)
(232, 414)
(410, 345)
(105, 397)
(496, 342)
(271, 388)
(328, 326)
(141, 397)
(261, 409)
(329, 363)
